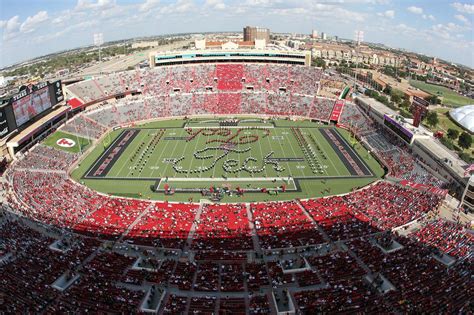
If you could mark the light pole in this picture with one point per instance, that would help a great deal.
(98, 41)
(358, 37)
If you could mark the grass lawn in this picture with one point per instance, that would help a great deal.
(136, 169)
(81, 143)
(446, 123)
(450, 98)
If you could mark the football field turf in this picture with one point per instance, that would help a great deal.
(80, 143)
(309, 159)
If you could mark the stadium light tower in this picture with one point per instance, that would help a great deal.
(358, 37)
(98, 41)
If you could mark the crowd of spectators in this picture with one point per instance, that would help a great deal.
(448, 237)
(210, 89)
(283, 224)
(42, 157)
(223, 227)
(105, 281)
(83, 126)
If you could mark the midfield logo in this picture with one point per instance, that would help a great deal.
(66, 143)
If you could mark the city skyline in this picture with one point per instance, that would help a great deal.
(30, 29)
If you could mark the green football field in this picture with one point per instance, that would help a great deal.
(307, 158)
(81, 144)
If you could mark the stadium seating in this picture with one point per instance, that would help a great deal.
(223, 227)
(42, 157)
(448, 237)
(225, 258)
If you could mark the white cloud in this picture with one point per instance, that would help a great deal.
(81, 26)
(388, 14)
(446, 31)
(148, 5)
(405, 28)
(428, 17)
(215, 4)
(463, 19)
(415, 10)
(10, 27)
(258, 3)
(463, 7)
(91, 5)
(181, 6)
(32, 22)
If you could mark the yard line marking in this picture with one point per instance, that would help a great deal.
(261, 156)
(195, 145)
(202, 162)
(149, 141)
(319, 156)
(172, 154)
(292, 149)
(161, 154)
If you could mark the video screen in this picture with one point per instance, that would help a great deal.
(28, 107)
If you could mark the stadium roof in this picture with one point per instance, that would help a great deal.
(464, 116)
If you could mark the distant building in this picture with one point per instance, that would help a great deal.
(157, 59)
(252, 33)
(323, 36)
(340, 52)
(145, 44)
(202, 44)
(296, 44)
(260, 44)
(314, 34)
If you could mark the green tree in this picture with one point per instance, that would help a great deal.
(453, 133)
(432, 118)
(396, 98)
(405, 104)
(433, 99)
(319, 62)
(465, 140)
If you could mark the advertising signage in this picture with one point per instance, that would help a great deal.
(401, 131)
(56, 92)
(7, 121)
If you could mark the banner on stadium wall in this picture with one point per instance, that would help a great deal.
(4, 130)
(401, 131)
(7, 121)
(56, 92)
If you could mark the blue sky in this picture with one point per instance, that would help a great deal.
(434, 27)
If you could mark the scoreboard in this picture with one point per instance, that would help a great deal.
(28, 104)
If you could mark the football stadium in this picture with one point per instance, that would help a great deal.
(225, 184)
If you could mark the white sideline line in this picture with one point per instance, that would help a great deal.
(219, 179)
(228, 127)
